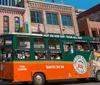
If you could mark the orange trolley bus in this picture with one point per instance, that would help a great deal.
(39, 58)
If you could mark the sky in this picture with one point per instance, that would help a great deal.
(81, 4)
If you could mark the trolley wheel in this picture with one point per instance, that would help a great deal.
(39, 79)
(98, 76)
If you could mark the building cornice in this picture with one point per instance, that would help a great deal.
(48, 6)
(49, 3)
(14, 9)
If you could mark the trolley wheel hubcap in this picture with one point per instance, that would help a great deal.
(38, 79)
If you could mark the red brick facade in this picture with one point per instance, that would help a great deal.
(89, 22)
(11, 12)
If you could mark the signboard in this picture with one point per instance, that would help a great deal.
(67, 36)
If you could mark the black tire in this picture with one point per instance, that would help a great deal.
(92, 79)
(83, 79)
(98, 76)
(39, 79)
(25, 83)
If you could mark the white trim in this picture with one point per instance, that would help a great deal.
(24, 34)
(19, 9)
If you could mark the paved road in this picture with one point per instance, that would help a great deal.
(68, 82)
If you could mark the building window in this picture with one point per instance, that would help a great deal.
(13, 2)
(36, 17)
(82, 33)
(6, 24)
(0, 2)
(9, 2)
(52, 19)
(6, 2)
(66, 20)
(17, 24)
(3, 2)
(94, 33)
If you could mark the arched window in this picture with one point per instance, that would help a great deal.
(17, 24)
(6, 24)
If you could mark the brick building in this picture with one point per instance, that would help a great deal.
(48, 17)
(78, 11)
(11, 19)
(89, 22)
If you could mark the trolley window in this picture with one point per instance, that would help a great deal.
(39, 43)
(54, 43)
(68, 47)
(23, 42)
(95, 45)
(81, 45)
(22, 54)
(6, 48)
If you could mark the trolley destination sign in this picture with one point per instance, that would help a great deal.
(67, 36)
(56, 36)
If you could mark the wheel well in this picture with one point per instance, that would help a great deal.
(41, 73)
(97, 72)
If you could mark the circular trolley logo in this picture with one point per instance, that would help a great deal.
(80, 64)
